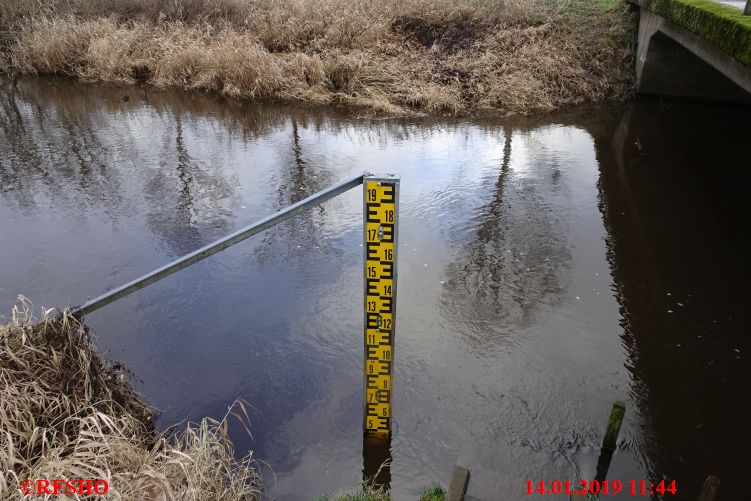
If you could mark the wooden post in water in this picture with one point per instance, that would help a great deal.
(712, 483)
(610, 441)
(459, 483)
(614, 426)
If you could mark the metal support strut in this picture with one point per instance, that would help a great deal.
(219, 245)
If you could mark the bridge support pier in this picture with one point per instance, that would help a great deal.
(672, 61)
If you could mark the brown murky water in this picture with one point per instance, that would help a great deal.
(548, 267)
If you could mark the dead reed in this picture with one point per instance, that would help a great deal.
(65, 413)
(394, 55)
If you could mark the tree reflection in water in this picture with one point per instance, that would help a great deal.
(515, 260)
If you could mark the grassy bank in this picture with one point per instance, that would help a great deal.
(392, 56)
(65, 413)
(369, 493)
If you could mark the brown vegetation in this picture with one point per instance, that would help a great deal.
(512, 55)
(67, 414)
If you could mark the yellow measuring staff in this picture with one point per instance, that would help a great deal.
(381, 196)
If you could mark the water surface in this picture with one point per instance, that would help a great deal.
(548, 267)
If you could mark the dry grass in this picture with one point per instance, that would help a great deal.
(393, 55)
(67, 414)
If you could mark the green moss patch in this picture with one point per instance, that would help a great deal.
(722, 25)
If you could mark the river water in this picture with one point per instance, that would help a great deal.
(548, 267)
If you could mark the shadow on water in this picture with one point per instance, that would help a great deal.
(673, 184)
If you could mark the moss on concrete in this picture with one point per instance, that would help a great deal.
(722, 25)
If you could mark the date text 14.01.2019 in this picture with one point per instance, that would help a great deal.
(604, 487)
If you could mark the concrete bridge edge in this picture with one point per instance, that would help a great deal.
(651, 24)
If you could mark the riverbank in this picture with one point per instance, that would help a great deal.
(66, 413)
(396, 56)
